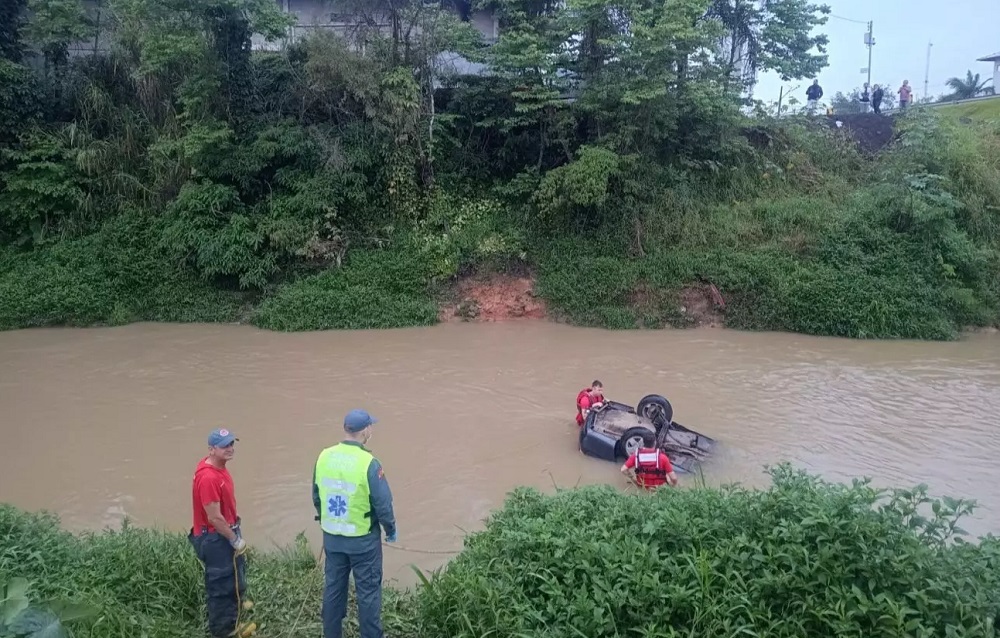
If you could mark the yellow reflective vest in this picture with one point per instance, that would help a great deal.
(342, 481)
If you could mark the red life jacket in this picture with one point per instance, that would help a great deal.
(579, 408)
(649, 472)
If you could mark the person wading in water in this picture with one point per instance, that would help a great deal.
(216, 537)
(588, 398)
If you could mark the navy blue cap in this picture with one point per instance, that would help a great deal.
(221, 438)
(357, 420)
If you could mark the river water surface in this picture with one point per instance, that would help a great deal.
(99, 424)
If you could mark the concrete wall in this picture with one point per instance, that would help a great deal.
(310, 15)
(325, 14)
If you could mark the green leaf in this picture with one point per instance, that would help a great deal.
(15, 600)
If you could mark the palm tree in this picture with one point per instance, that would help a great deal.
(969, 87)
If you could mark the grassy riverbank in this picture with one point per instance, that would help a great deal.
(801, 558)
(182, 176)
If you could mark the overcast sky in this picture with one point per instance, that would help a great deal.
(961, 31)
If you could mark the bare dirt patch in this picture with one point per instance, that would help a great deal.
(871, 132)
(695, 305)
(494, 297)
(703, 305)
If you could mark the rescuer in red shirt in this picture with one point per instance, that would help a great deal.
(215, 534)
(649, 468)
(588, 398)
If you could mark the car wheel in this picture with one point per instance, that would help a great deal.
(633, 439)
(656, 408)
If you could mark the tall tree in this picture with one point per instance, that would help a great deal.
(770, 35)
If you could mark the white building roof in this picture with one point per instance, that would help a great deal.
(990, 58)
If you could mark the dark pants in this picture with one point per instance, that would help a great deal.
(225, 580)
(877, 107)
(367, 568)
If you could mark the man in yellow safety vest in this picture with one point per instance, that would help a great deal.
(352, 500)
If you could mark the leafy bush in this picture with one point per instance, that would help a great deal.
(803, 558)
(377, 289)
(459, 235)
(113, 276)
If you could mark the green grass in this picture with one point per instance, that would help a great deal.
(145, 582)
(802, 557)
(981, 110)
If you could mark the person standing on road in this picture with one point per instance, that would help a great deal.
(649, 468)
(215, 535)
(877, 96)
(352, 499)
(813, 94)
(905, 93)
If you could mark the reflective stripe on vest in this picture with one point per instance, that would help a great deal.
(342, 479)
(648, 462)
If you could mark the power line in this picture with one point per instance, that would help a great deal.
(848, 19)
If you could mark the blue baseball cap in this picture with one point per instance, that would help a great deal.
(221, 438)
(357, 420)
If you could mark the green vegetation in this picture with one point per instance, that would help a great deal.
(182, 176)
(803, 557)
(981, 110)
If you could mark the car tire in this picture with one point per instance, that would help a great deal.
(656, 408)
(633, 439)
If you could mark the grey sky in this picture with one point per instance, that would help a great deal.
(961, 30)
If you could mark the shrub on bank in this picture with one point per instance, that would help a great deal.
(113, 276)
(803, 558)
(893, 261)
(376, 289)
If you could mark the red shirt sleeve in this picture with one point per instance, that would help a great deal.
(630, 462)
(665, 462)
(208, 490)
(585, 402)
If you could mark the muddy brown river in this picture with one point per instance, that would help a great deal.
(100, 424)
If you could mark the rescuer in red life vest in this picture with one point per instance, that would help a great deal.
(589, 398)
(649, 468)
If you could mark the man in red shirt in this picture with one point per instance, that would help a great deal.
(587, 399)
(215, 534)
(649, 468)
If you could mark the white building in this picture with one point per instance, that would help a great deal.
(312, 15)
(995, 59)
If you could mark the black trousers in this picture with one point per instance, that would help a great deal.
(225, 580)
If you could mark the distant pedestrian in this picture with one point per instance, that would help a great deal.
(877, 96)
(352, 498)
(905, 93)
(216, 535)
(813, 94)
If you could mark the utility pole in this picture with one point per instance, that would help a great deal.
(927, 69)
(870, 42)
